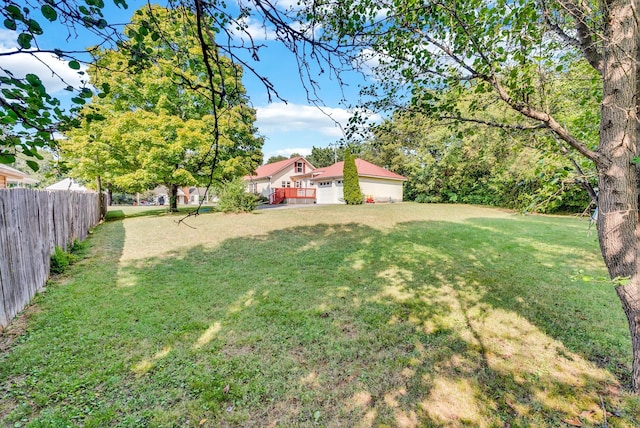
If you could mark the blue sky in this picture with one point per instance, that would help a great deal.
(297, 125)
(294, 126)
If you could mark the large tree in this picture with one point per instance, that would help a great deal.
(148, 129)
(30, 117)
(276, 158)
(452, 161)
(325, 156)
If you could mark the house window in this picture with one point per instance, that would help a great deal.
(286, 183)
(299, 184)
(324, 184)
(299, 166)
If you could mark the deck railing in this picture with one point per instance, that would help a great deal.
(282, 193)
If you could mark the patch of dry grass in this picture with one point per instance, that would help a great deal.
(164, 234)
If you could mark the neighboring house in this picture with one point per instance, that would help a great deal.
(183, 195)
(376, 183)
(288, 180)
(11, 177)
(198, 194)
(68, 184)
(297, 181)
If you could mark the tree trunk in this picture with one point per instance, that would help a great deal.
(101, 199)
(630, 297)
(173, 198)
(618, 228)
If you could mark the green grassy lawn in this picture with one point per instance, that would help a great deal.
(400, 315)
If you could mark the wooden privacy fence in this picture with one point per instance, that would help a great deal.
(32, 224)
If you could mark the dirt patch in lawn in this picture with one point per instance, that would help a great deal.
(17, 328)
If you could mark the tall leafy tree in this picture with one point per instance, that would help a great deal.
(461, 162)
(276, 158)
(30, 117)
(351, 183)
(325, 156)
(152, 130)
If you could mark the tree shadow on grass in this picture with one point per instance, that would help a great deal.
(428, 324)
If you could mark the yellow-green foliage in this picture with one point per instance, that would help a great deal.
(155, 127)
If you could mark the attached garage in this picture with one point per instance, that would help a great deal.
(382, 190)
(326, 192)
(376, 183)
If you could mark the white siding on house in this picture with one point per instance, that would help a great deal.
(262, 188)
(331, 192)
(382, 190)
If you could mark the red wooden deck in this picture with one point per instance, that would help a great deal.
(281, 193)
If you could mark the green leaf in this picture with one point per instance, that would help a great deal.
(24, 40)
(9, 119)
(33, 80)
(49, 12)
(7, 158)
(33, 165)
(10, 24)
(636, 160)
(75, 65)
(34, 27)
(14, 11)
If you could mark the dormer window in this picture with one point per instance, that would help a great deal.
(300, 167)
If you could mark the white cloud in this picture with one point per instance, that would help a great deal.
(256, 29)
(295, 128)
(259, 27)
(368, 61)
(7, 40)
(281, 117)
(53, 71)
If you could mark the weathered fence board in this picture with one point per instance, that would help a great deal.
(32, 224)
